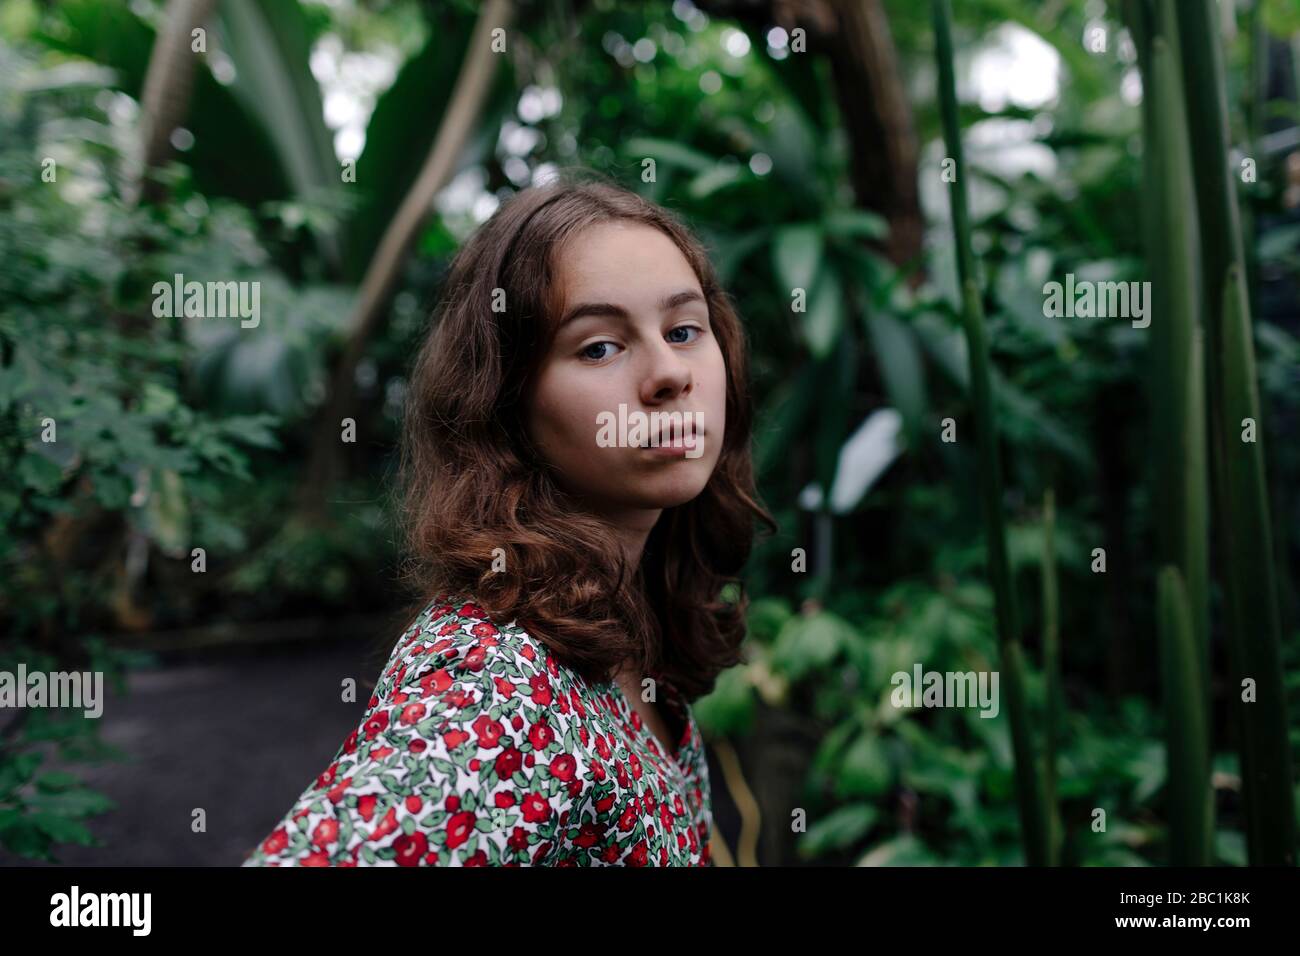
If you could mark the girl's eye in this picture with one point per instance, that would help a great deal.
(595, 352)
(587, 353)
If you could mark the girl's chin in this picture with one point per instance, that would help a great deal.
(672, 495)
(648, 496)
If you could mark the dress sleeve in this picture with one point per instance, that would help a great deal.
(452, 765)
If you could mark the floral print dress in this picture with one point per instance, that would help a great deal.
(478, 748)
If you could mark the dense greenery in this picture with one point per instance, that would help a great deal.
(176, 435)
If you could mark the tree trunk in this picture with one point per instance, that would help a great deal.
(464, 108)
(167, 84)
(855, 37)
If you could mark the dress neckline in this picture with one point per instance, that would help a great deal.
(673, 710)
(675, 707)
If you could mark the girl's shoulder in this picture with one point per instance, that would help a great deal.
(458, 759)
(455, 639)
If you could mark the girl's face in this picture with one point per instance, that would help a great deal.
(634, 332)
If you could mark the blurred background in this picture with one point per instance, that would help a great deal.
(199, 533)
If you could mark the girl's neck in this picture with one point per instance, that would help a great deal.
(632, 529)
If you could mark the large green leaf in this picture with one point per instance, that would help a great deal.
(797, 167)
(717, 178)
(269, 42)
(730, 707)
(670, 153)
(855, 224)
(783, 417)
(839, 829)
(807, 642)
(796, 254)
(403, 127)
(865, 770)
(835, 381)
(898, 356)
(871, 449)
(825, 316)
(729, 251)
(107, 32)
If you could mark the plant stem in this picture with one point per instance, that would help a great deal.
(1030, 798)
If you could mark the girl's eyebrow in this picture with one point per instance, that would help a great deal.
(667, 304)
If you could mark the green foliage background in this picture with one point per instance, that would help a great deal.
(173, 435)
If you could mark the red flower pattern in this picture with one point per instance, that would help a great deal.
(481, 749)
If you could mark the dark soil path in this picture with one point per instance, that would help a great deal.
(240, 736)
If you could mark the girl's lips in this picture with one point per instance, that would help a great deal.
(667, 451)
(668, 436)
(678, 445)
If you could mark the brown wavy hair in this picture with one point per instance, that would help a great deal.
(471, 481)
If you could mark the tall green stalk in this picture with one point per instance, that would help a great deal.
(1030, 797)
(1052, 671)
(1189, 802)
(1240, 486)
(1178, 415)
(1180, 399)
